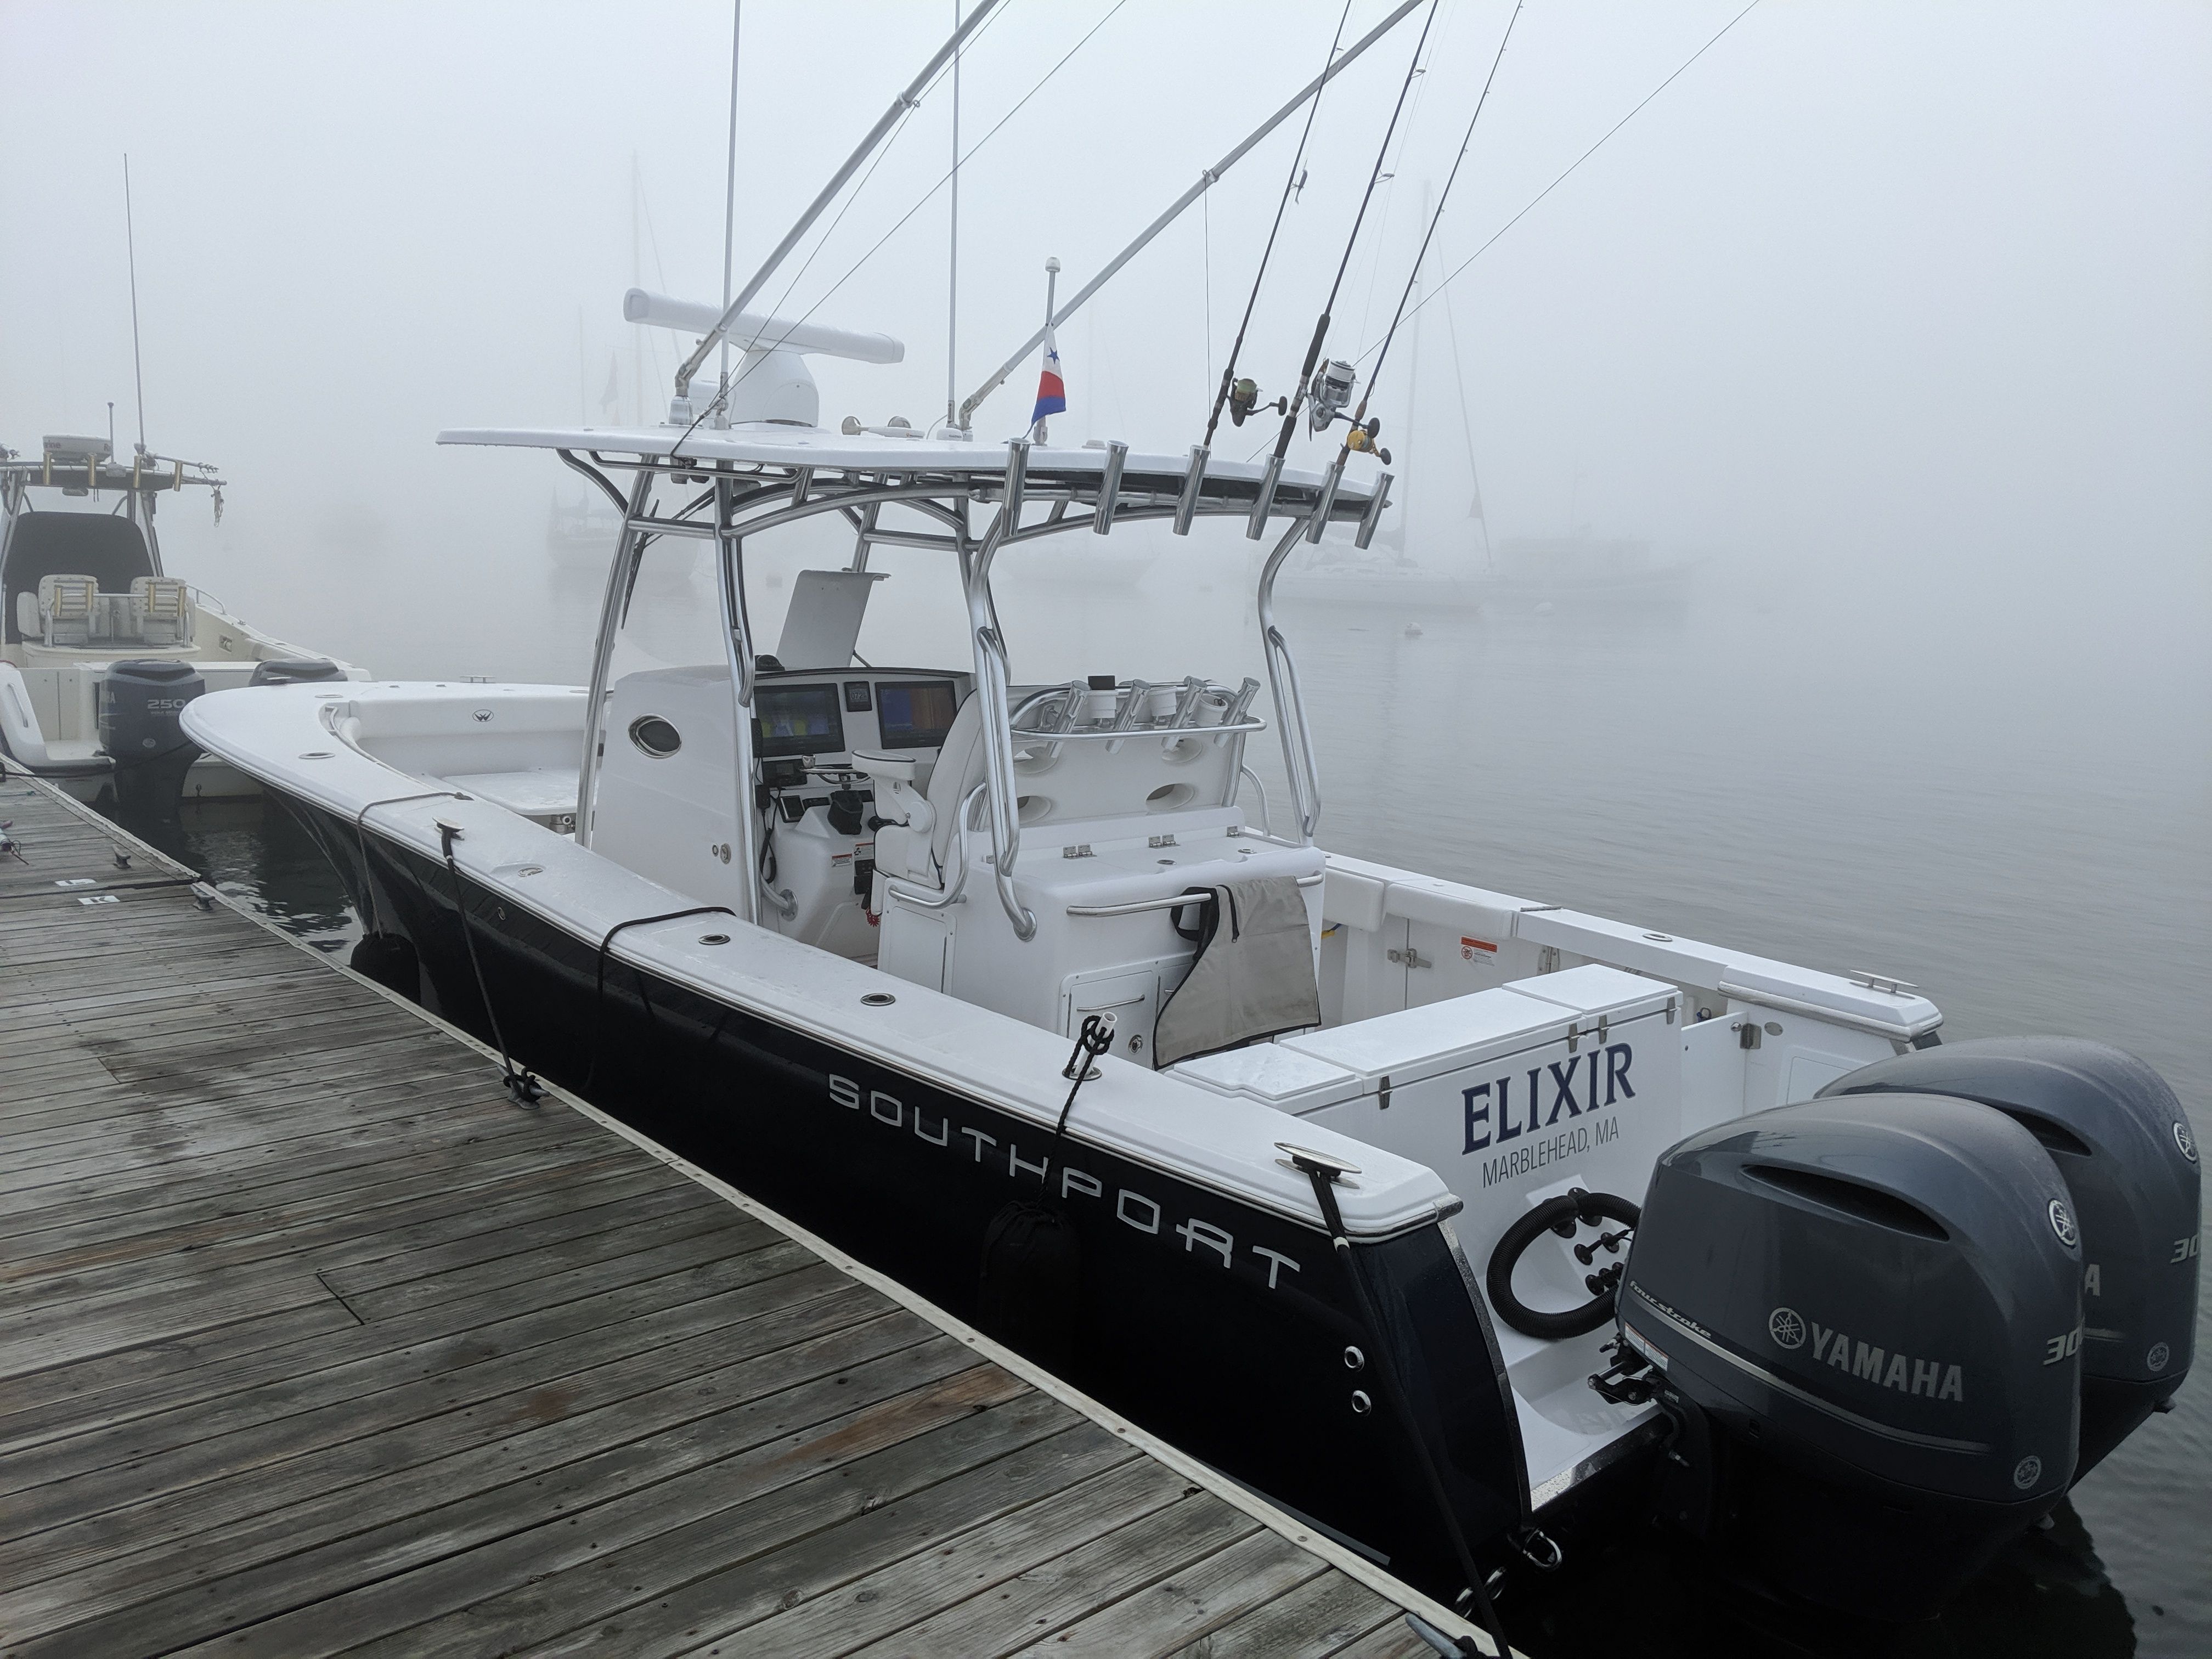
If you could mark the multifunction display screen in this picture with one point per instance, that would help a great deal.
(797, 719)
(915, 714)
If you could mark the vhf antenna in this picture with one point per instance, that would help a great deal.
(130, 242)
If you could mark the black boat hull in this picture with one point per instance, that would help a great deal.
(1218, 1326)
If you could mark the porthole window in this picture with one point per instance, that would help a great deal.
(655, 736)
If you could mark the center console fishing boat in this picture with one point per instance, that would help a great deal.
(100, 648)
(1344, 1199)
(1436, 1213)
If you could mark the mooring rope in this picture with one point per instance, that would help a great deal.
(518, 1081)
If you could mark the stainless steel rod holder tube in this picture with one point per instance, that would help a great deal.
(1373, 518)
(1263, 504)
(1017, 472)
(1109, 488)
(1328, 499)
(1193, 482)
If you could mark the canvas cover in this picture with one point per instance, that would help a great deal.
(1254, 973)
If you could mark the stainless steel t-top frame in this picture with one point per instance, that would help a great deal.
(141, 481)
(736, 500)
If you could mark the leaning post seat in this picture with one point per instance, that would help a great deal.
(163, 608)
(1117, 823)
(68, 609)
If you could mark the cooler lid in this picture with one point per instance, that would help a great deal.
(1438, 1037)
(1594, 988)
(1273, 1075)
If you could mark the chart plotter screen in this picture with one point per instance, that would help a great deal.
(915, 714)
(797, 719)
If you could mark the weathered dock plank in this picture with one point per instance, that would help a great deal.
(312, 1341)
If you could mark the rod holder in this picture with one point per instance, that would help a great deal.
(1017, 472)
(1109, 488)
(1264, 502)
(1193, 480)
(1328, 501)
(1374, 517)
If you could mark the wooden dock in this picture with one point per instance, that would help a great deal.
(312, 1342)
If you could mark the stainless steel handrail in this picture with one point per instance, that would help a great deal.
(1176, 903)
(1245, 774)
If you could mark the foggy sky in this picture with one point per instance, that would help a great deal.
(1908, 303)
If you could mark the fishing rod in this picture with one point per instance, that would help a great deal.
(1359, 435)
(137, 369)
(1175, 208)
(907, 99)
(730, 187)
(1682, 69)
(1246, 393)
(1329, 390)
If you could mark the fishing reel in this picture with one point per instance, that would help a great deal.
(1244, 400)
(1329, 391)
(1361, 440)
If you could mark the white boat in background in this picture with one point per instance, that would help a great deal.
(1381, 577)
(1582, 572)
(579, 533)
(102, 649)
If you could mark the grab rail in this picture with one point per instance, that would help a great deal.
(1246, 775)
(1174, 902)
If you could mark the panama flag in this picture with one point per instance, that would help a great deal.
(1052, 391)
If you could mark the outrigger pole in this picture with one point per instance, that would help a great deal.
(906, 101)
(1205, 181)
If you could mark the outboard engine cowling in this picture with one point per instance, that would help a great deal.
(295, 671)
(2122, 1143)
(140, 702)
(1866, 1312)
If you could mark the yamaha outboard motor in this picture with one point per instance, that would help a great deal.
(140, 702)
(1865, 1317)
(295, 671)
(2122, 1142)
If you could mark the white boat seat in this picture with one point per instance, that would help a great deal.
(69, 607)
(916, 838)
(163, 608)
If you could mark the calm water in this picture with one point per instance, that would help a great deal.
(2006, 805)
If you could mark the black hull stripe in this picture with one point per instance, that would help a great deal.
(1214, 1323)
